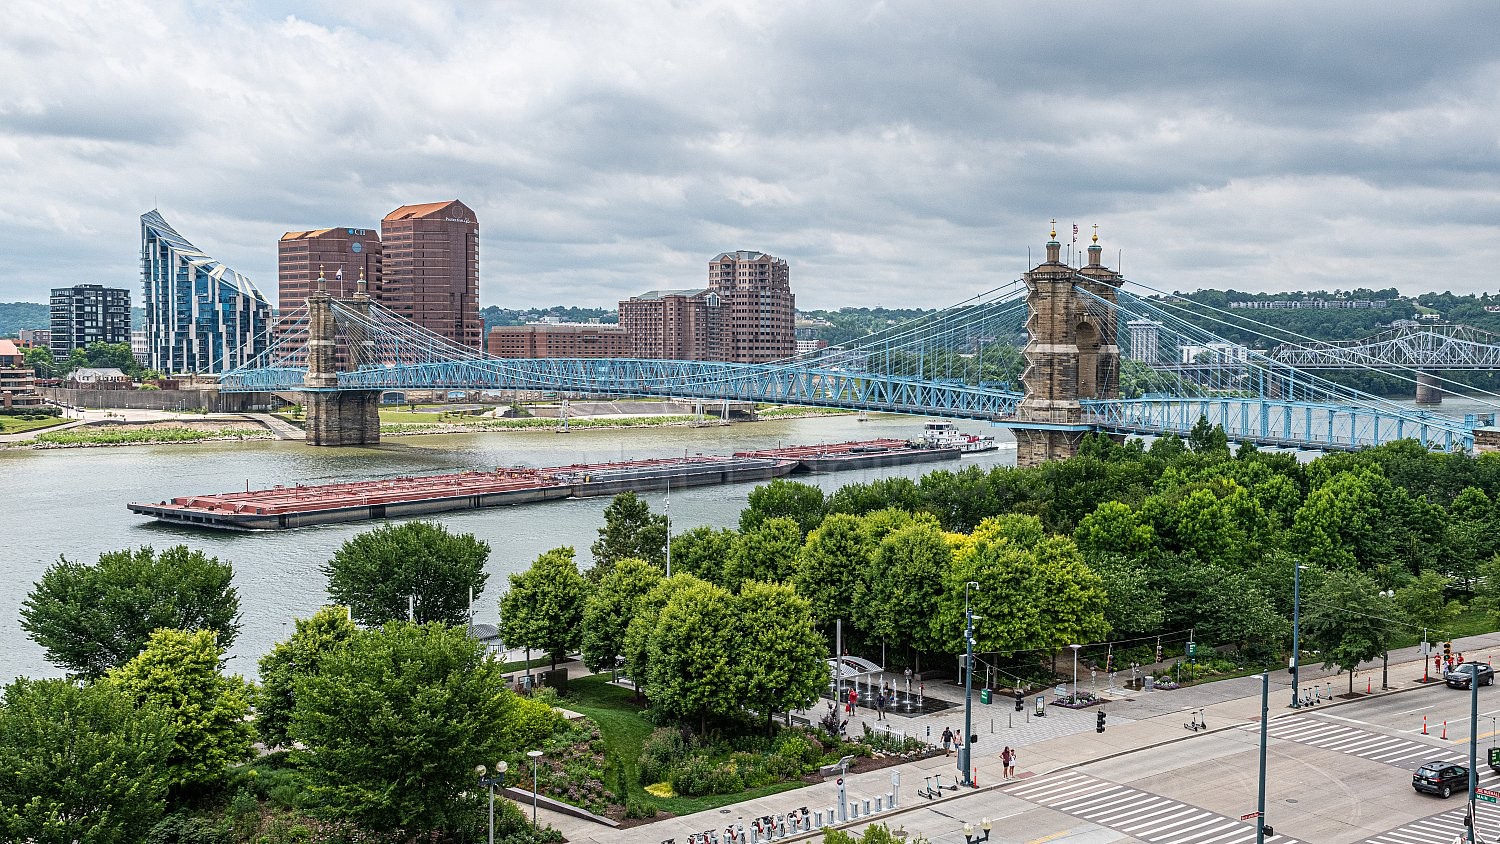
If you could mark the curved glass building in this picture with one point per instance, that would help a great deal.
(201, 316)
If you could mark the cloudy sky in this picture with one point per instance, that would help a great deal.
(897, 154)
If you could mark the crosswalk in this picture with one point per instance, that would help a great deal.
(1442, 828)
(1378, 747)
(1139, 814)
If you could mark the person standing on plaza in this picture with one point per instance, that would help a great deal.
(1007, 762)
(880, 705)
(947, 741)
(853, 701)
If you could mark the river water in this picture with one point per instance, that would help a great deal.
(72, 502)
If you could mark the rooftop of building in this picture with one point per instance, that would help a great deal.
(185, 250)
(661, 294)
(426, 209)
(96, 373)
(560, 327)
(742, 255)
(320, 232)
(8, 349)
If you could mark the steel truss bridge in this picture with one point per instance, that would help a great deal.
(962, 362)
(1426, 347)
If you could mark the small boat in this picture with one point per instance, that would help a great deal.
(940, 433)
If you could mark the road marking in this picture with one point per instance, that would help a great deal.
(1053, 837)
(1350, 720)
(1418, 709)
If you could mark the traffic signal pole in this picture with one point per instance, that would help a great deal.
(1260, 800)
(1473, 745)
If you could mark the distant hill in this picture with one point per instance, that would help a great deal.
(15, 316)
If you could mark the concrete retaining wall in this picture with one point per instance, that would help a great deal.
(210, 400)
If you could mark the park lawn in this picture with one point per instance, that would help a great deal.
(625, 729)
(15, 425)
(396, 417)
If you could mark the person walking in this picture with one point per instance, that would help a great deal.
(947, 741)
(1008, 762)
(880, 705)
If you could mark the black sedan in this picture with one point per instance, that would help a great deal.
(1460, 676)
(1441, 778)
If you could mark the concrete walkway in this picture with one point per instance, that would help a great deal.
(1062, 739)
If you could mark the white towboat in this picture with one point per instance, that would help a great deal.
(941, 433)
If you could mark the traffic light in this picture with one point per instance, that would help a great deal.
(1100, 727)
(1020, 700)
(1447, 651)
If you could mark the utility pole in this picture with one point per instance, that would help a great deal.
(1260, 801)
(966, 751)
(1296, 625)
(1473, 745)
(669, 527)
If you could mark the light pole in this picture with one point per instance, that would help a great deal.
(1473, 746)
(1385, 656)
(964, 751)
(491, 782)
(535, 755)
(1260, 800)
(1296, 624)
(1075, 671)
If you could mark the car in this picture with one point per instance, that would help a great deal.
(1441, 778)
(1459, 676)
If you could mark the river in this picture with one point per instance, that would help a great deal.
(72, 502)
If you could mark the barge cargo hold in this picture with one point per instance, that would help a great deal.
(865, 454)
(281, 507)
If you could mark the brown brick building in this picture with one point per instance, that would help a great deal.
(431, 269)
(559, 341)
(757, 321)
(301, 255)
(745, 315)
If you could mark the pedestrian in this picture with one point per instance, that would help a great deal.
(1460, 657)
(947, 741)
(880, 705)
(1008, 761)
(854, 701)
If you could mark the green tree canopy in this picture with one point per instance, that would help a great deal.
(179, 672)
(299, 656)
(1422, 602)
(630, 530)
(783, 499)
(91, 618)
(833, 562)
(378, 572)
(1348, 621)
(782, 660)
(611, 606)
(694, 673)
(702, 552)
(768, 552)
(857, 499)
(40, 359)
(80, 763)
(642, 627)
(544, 606)
(395, 722)
(902, 586)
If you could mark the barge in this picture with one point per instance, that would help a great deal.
(283, 507)
(865, 454)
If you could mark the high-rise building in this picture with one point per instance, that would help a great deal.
(342, 254)
(88, 313)
(17, 386)
(672, 324)
(33, 337)
(559, 340)
(757, 309)
(201, 316)
(431, 269)
(1145, 340)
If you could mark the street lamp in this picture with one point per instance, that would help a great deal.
(1075, 671)
(1385, 656)
(964, 751)
(1296, 624)
(535, 755)
(491, 782)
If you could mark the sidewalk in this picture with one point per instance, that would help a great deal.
(1063, 739)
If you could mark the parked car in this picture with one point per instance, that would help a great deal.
(1459, 676)
(1441, 778)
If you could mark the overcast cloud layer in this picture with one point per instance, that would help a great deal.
(902, 154)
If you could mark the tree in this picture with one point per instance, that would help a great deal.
(642, 627)
(630, 530)
(80, 763)
(703, 552)
(903, 584)
(379, 572)
(835, 558)
(299, 656)
(1133, 606)
(91, 618)
(611, 606)
(41, 361)
(1207, 438)
(783, 660)
(179, 672)
(1348, 621)
(858, 499)
(783, 499)
(1422, 603)
(1113, 528)
(767, 552)
(395, 722)
(693, 670)
(544, 606)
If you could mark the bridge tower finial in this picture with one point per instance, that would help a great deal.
(1054, 249)
(1095, 250)
(322, 282)
(360, 289)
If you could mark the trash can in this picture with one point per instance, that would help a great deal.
(984, 696)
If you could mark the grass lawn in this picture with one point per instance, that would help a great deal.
(434, 417)
(15, 425)
(625, 729)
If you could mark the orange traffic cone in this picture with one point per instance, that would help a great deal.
(1444, 736)
(976, 776)
(1424, 725)
(1368, 681)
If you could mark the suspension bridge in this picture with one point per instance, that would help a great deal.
(1060, 352)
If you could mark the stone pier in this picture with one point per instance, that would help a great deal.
(1072, 353)
(337, 417)
(1428, 391)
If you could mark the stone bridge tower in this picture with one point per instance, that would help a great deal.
(1071, 353)
(335, 416)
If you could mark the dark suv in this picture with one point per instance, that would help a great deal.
(1459, 676)
(1441, 778)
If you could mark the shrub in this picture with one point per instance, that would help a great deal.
(662, 750)
(638, 808)
(183, 828)
(529, 721)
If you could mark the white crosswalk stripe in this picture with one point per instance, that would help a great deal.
(1140, 814)
(1400, 752)
(1437, 829)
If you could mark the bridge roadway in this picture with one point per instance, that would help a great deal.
(1269, 422)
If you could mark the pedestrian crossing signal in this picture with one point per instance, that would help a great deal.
(1020, 700)
(1100, 727)
(1447, 651)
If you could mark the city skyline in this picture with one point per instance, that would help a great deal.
(904, 157)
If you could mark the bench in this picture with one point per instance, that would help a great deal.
(840, 767)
